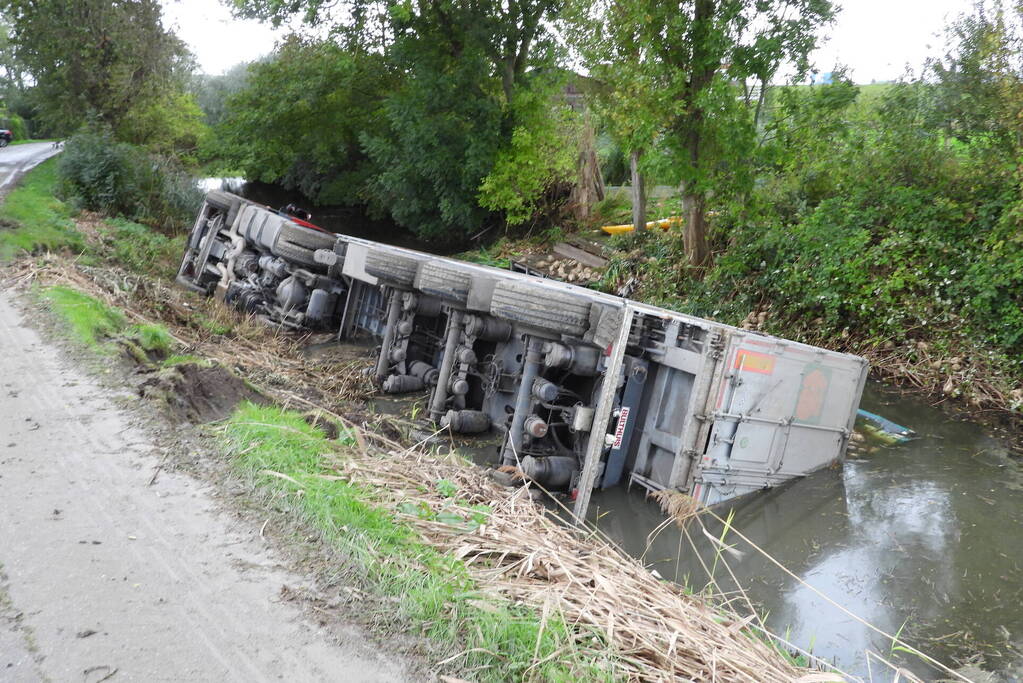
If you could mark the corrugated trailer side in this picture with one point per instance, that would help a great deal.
(778, 410)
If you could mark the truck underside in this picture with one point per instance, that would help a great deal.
(586, 389)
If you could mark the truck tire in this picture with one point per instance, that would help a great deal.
(399, 270)
(444, 281)
(229, 204)
(544, 307)
(298, 244)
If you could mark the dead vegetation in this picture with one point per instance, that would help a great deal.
(204, 328)
(524, 554)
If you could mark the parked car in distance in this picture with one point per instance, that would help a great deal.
(5, 137)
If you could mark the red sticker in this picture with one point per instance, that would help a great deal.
(751, 361)
(623, 420)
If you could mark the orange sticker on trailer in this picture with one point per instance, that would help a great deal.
(752, 361)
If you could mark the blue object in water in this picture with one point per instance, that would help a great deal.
(884, 429)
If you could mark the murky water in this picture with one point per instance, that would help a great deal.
(925, 536)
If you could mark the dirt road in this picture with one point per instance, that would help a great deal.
(105, 577)
(16, 160)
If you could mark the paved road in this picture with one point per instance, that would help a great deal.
(15, 160)
(101, 572)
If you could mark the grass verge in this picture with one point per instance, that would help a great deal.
(89, 321)
(93, 324)
(33, 218)
(285, 458)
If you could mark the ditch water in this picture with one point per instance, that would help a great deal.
(924, 539)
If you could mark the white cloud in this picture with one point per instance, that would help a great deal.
(877, 39)
(218, 40)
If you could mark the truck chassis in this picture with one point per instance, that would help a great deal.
(587, 390)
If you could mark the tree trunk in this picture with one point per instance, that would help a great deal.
(589, 185)
(694, 210)
(638, 193)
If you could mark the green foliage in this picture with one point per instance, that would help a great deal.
(542, 154)
(13, 123)
(94, 57)
(980, 89)
(152, 337)
(285, 455)
(144, 250)
(444, 132)
(440, 96)
(185, 359)
(666, 94)
(170, 124)
(213, 92)
(871, 221)
(32, 219)
(299, 119)
(89, 320)
(117, 178)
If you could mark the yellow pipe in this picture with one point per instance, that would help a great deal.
(663, 224)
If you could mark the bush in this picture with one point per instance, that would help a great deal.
(117, 178)
(15, 124)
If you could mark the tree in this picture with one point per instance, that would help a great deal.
(466, 98)
(682, 77)
(98, 57)
(979, 89)
(299, 120)
(212, 92)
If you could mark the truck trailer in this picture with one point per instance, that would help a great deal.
(585, 390)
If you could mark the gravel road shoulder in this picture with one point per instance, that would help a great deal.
(106, 574)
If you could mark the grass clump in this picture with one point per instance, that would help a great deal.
(185, 359)
(151, 337)
(31, 218)
(92, 323)
(289, 459)
(89, 320)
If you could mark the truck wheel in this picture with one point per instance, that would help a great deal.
(399, 270)
(444, 281)
(544, 307)
(298, 244)
(228, 204)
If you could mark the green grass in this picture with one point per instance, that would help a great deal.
(89, 320)
(184, 359)
(434, 591)
(32, 218)
(144, 250)
(152, 337)
(93, 324)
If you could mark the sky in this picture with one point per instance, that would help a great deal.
(876, 39)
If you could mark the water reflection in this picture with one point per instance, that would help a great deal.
(926, 534)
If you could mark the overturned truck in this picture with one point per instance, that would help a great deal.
(587, 390)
